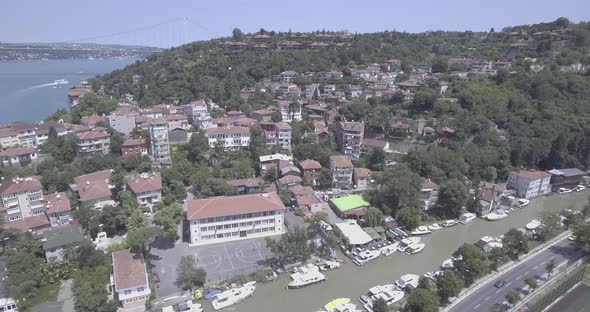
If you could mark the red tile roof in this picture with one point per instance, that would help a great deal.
(17, 151)
(92, 119)
(144, 182)
(21, 185)
(428, 184)
(361, 172)
(133, 142)
(197, 103)
(290, 179)
(92, 135)
(94, 185)
(6, 132)
(30, 223)
(309, 164)
(283, 126)
(253, 182)
(57, 202)
(302, 191)
(128, 270)
(340, 161)
(19, 126)
(233, 205)
(531, 175)
(228, 130)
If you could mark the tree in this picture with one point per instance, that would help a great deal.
(136, 219)
(90, 293)
(531, 282)
(586, 209)
(169, 217)
(451, 199)
(473, 263)
(422, 300)
(582, 234)
(376, 159)
(449, 285)
(324, 181)
(197, 147)
(440, 65)
(409, 217)
(293, 245)
(237, 34)
(189, 275)
(551, 225)
(380, 305)
(374, 217)
(515, 244)
(399, 188)
(550, 266)
(141, 239)
(512, 297)
(497, 257)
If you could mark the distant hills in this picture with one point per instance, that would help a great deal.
(52, 51)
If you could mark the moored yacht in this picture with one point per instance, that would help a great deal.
(328, 265)
(449, 223)
(534, 224)
(496, 215)
(434, 227)
(389, 249)
(340, 305)
(421, 230)
(233, 296)
(388, 292)
(404, 243)
(415, 248)
(521, 203)
(408, 280)
(365, 256)
(306, 275)
(466, 217)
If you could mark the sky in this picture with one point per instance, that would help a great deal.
(169, 22)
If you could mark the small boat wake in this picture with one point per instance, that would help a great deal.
(54, 83)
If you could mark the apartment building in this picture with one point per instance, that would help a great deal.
(159, 141)
(96, 141)
(290, 111)
(428, 194)
(133, 147)
(284, 135)
(311, 171)
(177, 121)
(229, 137)
(18, 156)
(8, 138)
(26, 134)
(349, 137)
(42, 131)
(146, 187)
(92, 120)
(122, 120)
(22, 198)
(130, 280)
(224, 219)
(360, 178)
(198, 114)
(342, 170)
(528, 184)
(58, 208)
(93, 189)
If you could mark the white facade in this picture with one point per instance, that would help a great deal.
(290, 112)
(159, 143)
(8, 140)
(122, 123)
(529, 186)
(198, 114)
(24, 203)
(229, 137)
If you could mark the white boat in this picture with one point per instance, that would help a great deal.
(448, 264)
(340, 305)
(496, 215)
(404, 243)
(60, 81)
(306, 275)
(563, 190)
(233, 296)
(388, 292)
(389, 249)
(408, 280)
(365, 256)
(449, 223)
(329, 265)
(415, 248)
(466, 217)
(432, 274)
(421, 230)
(521, 203)
(434, 227)
(579, 188)
(533, 225)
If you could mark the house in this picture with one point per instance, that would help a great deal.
(26, 134)
(349, 138)
(311, 171)
(177, 121)
(36, 225)
(21, 198)
(290, 111)
(96, 141)
(57, 239)
(360, 178)
(288, 76)
(159, 141)
(428, 194)
(229, 137)
(8, 138)
(235, 114)
(178, 136)
(58, 208)
(320, 129)
(276, 161)
(284, 135)
(349, 207)
(341, 168)
(230, 218)
(17, 156)
(329, 88)
(262, 114)
(245, 186)
(288, 182)
(133, 147)
(92, 120)
(312, 90)
(528, 184)
(355, 91)
(569, 177)
(42, 131)
(93, 189)
(122, 120)
(77, 92)
(145, 187)
(153, 112)
(428, 131)
(290, 170)
(130, 280)
(198, 114)
(373, 144)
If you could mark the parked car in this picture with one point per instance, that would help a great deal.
(563, 190)
(500, 283)
(579, 188)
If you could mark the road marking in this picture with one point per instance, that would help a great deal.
(228, 257)
(477, 306)
(488, 298)
(508, 283)
(518, 277)
(497, 291)
(527, 272)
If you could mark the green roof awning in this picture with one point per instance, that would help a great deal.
(379, 229)
(374, 235)
(349, 202)
(391, 234)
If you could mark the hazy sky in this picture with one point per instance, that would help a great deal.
(69, 20)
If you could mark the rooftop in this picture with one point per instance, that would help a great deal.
(128, 270)
(252, 182)
(349, 202)
(309, 164)
(233, 205)
(227, 130)
(531, 175)
(63, 235)
(17, 151)
(94, 185)
(340, 161)
(144, 182)
(569, 172)
(18, 185)
(354, 233)
(29, 223)
(57, 202)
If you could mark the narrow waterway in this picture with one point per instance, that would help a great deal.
(351, 281)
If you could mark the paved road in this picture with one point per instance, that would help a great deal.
(488, 295)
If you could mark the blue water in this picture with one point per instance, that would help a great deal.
(27, 91)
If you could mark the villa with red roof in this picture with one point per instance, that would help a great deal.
(529, 183)
(130, 280)
(93, 189)
(230, 218)
(146, 187)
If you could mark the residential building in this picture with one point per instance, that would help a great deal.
(178, 136)
(245, 186)
(288, 182)
(17, 156)
(57, 239)
(42, 131)
(290, 170)
(159, 142)
(360, 177)
(229, 137)
(288, 76)
(198, 114)
(8, 138)
(262, 114)
(528, 184)
(97, 141)
(341, 168)
(312, 90)
(122, 120)
(133, 147)
(146, 187)
(35, 225)
(276, 161)
(349, 207)
(349, 137)
(76, 92)
(92, 120)
(569, 177)
(223, 219)
(130, 280)
(93, 189)
(284, 135)
(290, 111)
(21, 198)
(355, 91)
(428, 194)
(57, 208)
(311, 171)
(177, 121)
(491, 196)
(25, 133)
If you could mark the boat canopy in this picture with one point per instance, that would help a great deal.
(336, 302)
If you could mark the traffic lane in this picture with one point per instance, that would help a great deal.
(489, 294)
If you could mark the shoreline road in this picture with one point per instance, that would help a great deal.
(483, 299)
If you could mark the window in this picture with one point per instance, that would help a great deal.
(140, 288)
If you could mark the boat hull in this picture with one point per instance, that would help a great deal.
(297, 286)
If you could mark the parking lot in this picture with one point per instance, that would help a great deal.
(221, 261)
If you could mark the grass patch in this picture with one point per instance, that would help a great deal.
(43, 294)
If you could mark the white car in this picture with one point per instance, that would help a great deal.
(579, 188)
(563, 190)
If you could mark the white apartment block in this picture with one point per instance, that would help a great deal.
(8, 138)
(26, 134)
(159, 142)
(229, 137)
(18, 156)
(528, 184)
(284, 135)
(97, 141)
(122, 120)
(342, 169)
(198, 114)
(130, 280)
(22, 198)
(290, 111)
(224, 219)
